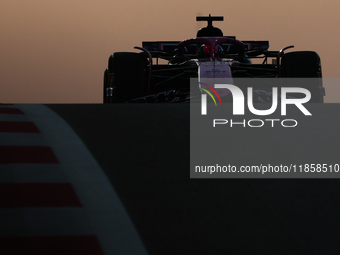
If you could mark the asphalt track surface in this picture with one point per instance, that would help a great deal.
(144, 151)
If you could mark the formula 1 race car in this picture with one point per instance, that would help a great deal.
(134, 77)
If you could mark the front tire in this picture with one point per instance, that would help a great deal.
(127, 73)
(105, 86)
(305, 64)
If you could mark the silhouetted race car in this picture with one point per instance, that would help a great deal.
(135, 77)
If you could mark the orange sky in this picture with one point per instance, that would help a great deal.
(56, 51)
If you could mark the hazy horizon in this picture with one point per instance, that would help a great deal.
(56, 51)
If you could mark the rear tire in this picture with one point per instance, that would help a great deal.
(129, 71)
(305, 64)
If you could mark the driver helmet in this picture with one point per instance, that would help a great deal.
(205, 49)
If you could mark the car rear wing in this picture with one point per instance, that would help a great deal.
(252, 48)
